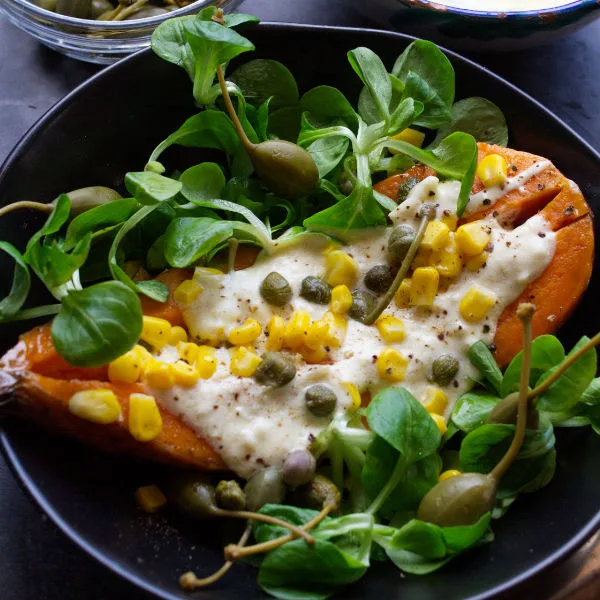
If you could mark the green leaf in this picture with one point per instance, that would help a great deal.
(421, 538)
(97, 324)
(328, 152)
(481, 357)
(284, 123)
(372, 72)
(404, 115)
(472, 410)
(154, 289)
(567, 390)
(188, 239)
(327, 103)
(58, 217)
(591, 395)
(261, 79)
(151, 188)
(237, 19)
(479, 117)
(203, 182)
(168, 42)
(21, 282)
(546, 352)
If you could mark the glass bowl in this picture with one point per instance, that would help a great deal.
(102, 42)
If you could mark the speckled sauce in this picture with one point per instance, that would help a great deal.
(252, 425)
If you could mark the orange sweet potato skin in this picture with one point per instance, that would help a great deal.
(549, 193)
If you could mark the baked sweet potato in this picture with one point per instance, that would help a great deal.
(549, 193)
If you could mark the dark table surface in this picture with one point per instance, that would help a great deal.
(37, 561)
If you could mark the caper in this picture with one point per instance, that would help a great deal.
(285, 168)
(400, 240)
(229, 495)
(406, 185)
(427, 209)
(275, 289)
(298, 468)
(320, 492)
(145, 12)
(363, 303)
(74, 8)
(264, 487)
(460, 500)
(314, 289)
(47, 4)
(506, 412)
(444, 369)
(99, 7)
(85, 198)
(320, 400)
(193, 495)
(379, 278)
(276, 369)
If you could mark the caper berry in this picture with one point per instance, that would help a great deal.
(47, 4)
(74, 8)
(406, 185)
(444, 369)
(506, 411)
(379, 278)
(264, 487)
(320, 400)
(83, 199)
(229, 495)
(363, 303)
(400, 240)
(276, 369)
(460, 500)
(298, 468)
(99, 7)
(145, 12)
(275, 289)
(193, 495)
(314, 289)
(318, 493)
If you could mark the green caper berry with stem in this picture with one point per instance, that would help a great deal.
(444, 369)
(320, 492)
(320, 400)
(298, 468)
(275, 289)
(99, 7)
(229, 495)
(314, 289)
(276, 369)
(379, 278)
(505, 412)
(47, 4)
(264, 487)
(74, 8)
(400, 240)
(85, 198)
(193, 495)
(406, 185)
(363, 303)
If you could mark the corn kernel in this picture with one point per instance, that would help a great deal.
(317, 334)
(275, 331)
(185, 374)
(390, 329)
(331, 247)
(472, 238)
(341, 268)
(337, 329)
(410, 136)
(150, 498)
(296, 329)
(475, 304)
(354, 396)
(448, 474)
(188, 352)
(155, 331)
(206, 272)
(447, 260)
(127, 368)
(435, 400)
(145, 422)
(313, 356)
(176, 335)
(436, 236)
(391, 365)
(187, 292)
(402, 297)
(97, 406)
(424, 286)
(341, 300)
(440, 422)
(244, 362)
(492, 170)
(476, 262)
(206, 361)
(450, 220)
(159, 375)
(422, 258)
(245, 333)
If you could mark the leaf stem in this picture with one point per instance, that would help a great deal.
(34, 313)
(389, 487)
(233, 248)
(47, 208)
(525, 313)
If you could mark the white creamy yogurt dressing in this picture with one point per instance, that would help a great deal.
(503, 6)
(252, 426)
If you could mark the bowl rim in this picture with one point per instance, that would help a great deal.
(55, 19)
(542, 13)
(30, 485)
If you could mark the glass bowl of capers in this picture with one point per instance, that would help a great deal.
(98, 31)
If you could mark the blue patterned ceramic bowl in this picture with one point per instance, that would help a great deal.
(480, 30)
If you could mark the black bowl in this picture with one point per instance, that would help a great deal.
(108, 126)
